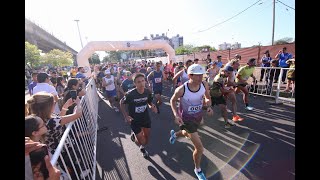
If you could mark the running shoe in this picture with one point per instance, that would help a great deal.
(237, 118)
(231, 122)
(228, 110)
(227, 125)
(249, 108)
(200, 175)
(172, 137)
(133, 137)
(145, 153)
(116, 109)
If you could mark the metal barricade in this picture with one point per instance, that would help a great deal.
(77, 146)
(269, 83)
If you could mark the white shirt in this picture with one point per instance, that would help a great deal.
(111, 86)
(49, 89)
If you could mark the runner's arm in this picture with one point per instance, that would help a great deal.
(176, 76)
(176, 95)
(207, 94)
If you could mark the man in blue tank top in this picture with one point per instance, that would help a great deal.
(156, 77)
(189, 116)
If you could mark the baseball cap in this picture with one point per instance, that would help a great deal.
(107, 71)
(196, 69)
(218, 56)
(251, 60)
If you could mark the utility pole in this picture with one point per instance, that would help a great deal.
(258, 60)
(273, 24)
(79, 32)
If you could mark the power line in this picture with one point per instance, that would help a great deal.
(229, 18)
(285, 4)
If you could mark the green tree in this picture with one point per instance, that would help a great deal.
(187, 49)
(32, 55)
(285, 40)
(94, 59)
(57, 57)
(106, 59)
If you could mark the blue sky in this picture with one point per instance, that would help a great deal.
(121, 20)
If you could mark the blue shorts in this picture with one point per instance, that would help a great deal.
(112, 93)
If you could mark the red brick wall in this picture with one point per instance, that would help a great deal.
(246, 53)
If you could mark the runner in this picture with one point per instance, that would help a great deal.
(231, 84)
(217, 91)
(182, 74)
(157, 77)
(109, 82)
(241, 79)
(189, 115)
(138, 117)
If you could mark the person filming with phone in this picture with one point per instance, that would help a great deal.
(75, 87)
(31, 147)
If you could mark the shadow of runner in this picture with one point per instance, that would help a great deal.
(155, 173)
(111, 162)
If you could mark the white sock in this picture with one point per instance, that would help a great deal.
(141, 146)
(198, 170)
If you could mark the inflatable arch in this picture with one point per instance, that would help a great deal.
(91, 47)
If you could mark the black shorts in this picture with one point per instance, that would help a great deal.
(157, 91)
(190, 126)
(218, 100)
(243, 85)
(136, 125)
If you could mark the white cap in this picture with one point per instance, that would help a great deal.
(107, 71)
(196, 69)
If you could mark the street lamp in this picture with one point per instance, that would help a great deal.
(76, 20)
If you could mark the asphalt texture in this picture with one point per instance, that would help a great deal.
(262, 146)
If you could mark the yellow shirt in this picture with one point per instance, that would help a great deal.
(245, 72)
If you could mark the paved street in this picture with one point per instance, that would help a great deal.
(260, 147)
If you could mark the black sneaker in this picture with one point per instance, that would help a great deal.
(145, 153)
(133, 137)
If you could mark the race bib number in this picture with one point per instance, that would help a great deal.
(157, 80)
(140, 109)
(195, 109)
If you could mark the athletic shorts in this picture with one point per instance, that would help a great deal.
(112, 93)
(137, 125)
(243, 85)
(218, 100)
(157, 91)
(190, 126)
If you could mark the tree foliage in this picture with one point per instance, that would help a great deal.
(57, 57)
(285, 40)
(186, 49)
(94, 59)
(32, 55)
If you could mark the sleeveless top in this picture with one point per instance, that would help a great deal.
(184, 77)
(191, 103)
(157, 80)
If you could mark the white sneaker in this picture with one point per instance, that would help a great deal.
(231, 122)
(228, 110)
(249, 108)
(116, 109)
